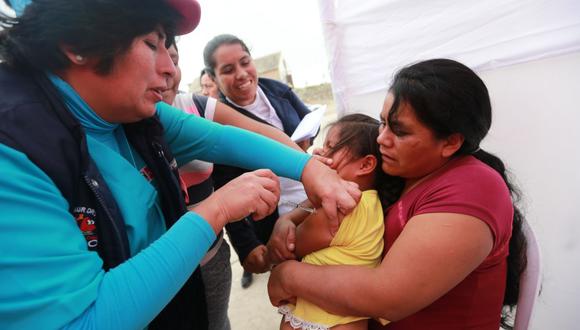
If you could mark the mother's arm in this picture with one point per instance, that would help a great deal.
(431, 256)
(228, 116)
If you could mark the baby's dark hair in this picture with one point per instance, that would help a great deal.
(358, 134)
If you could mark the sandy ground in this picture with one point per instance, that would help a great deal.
(250, 308)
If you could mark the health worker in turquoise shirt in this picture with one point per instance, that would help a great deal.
(73, 75)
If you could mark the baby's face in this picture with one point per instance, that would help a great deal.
(341, 159)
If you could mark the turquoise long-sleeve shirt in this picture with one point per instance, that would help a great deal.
(48, 278)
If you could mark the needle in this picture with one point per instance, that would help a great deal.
(298, 206)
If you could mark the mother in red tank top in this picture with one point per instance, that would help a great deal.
(454, 248)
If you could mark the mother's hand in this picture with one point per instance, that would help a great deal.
(325, 188)
(278, 294)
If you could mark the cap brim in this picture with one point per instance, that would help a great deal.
(190, 12)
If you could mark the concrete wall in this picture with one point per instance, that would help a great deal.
(536, 132)
(315, 94)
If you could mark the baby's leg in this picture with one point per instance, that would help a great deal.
(357, 325)
(285, 325)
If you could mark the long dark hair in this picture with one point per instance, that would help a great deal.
(358, 134)
(448, 97)
(213, 45)
(103, 29)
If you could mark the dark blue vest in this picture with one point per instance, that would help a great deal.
(34, 121)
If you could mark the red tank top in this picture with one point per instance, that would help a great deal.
(465, 186)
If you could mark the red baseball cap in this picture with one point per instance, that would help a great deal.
(190, 12)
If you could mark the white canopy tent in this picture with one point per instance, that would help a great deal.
(528, 53)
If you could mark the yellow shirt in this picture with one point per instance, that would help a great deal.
(359, 241)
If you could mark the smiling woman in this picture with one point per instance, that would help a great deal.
(235, 73)
(89, 190)
(229, 62)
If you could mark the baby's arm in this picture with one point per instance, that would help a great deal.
(282, 242)
(313, 234)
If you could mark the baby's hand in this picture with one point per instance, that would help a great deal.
(257, 261)
(282, 241)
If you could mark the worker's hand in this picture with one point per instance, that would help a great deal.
(325, 188)
(253, 193)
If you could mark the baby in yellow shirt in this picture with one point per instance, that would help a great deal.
(351, 143)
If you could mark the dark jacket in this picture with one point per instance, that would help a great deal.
(35, 122)
(247, 235)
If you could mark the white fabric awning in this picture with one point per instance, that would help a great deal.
(367, 41)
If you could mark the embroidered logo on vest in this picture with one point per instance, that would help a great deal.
(147, 173)
(85, 218)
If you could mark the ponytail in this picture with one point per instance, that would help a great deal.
(389, 188)
(516, 260)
